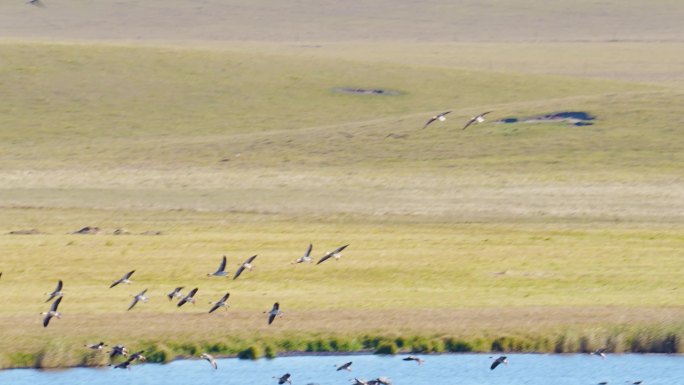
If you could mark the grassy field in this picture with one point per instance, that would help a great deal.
(541, 237)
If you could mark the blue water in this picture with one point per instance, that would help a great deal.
(461, 369)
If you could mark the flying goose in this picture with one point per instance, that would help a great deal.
(332, 254)
(211, 360)
(220, 303)
(358, 381)
(52, 313)
(346, 366)
(98, 347)
(221, 271)
(125, 279)
(414, 358)
(284, 378)
(139, 297)
(57, 292)
(118, 350)
(476, 119)
(498, 361)
(307, 255)
(188, 298)
(176, 293)
(439, 117)
(124, 365)
(37, 3)
(600, 352)
(137, 356)
(245, 265)
(275, 311)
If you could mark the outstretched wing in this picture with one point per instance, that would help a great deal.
(250, 259)
(432, 119)
(325, 258)
(216, 306)
(308, 250)
(55, 304)
(239, 271)
(222, 266)
(337, 250)
(128, 275)
(471, 121)
(135, 300)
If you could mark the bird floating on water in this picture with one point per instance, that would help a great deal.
(220, 303)
(441, 117)
(52, 313)
(188, 298)
(337, 253)
(245, 265)
(476, 119)
(211, 360)
(139, 297)
(499, 361)
(57, 292)
(125, 279)
(346, 366)
(221, 271)
(307, 255)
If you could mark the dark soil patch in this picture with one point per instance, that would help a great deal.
(26, 232)
(88, 230)
(576, 118)
(365, 91)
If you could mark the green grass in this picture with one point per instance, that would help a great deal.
(529, 237)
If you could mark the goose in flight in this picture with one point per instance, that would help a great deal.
(125, 279)
(414, 358)
(37, 3)
(275, 311)
(176, 293)
(57, 292)
(221, 271)
(476, 119)
(137, 356)
(139, 297)
(188, 298)
(284, 378)
(441, 117)
(337, 253)
(211, 360)
(245, 265)
(307, 255)
(118, 350)
(358, 381)
(499, 361)
(220, 303)
(601, 352)
(345, 366)
(52, 313)
(124, 365)
(97, 347)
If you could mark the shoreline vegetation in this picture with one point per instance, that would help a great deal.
(616, 339)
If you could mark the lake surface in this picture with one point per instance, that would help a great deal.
(461, 369)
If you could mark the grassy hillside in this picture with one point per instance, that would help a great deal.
(529, 236)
